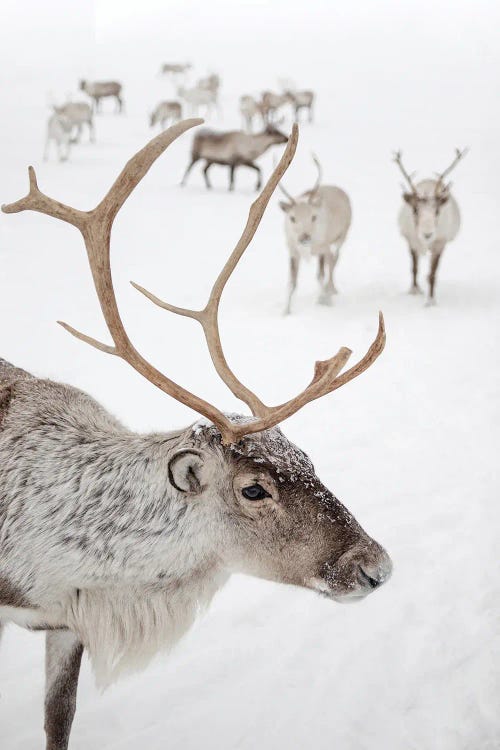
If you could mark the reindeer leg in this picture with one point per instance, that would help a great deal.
(414, 289)
(205, 174)
(63, 655)
(329, 289)
(321, 268)
(232, 170)
(294, 272)
(189, 168)
(437, 251)
(91, 131)
(259, 173)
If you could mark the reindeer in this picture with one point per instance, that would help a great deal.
(429, 218)
(59, 129)
(233, 149)
(99, 90)
(176, 71)
(271, 103)
(79, 114)
(165, 112)
(249, 109)
(111, 541)
(301, 100)
(316, 224)
(197, 97)
(210, 82)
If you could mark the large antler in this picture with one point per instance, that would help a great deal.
(95, 227)
(440, 186)
(319, 177)
(398, 160)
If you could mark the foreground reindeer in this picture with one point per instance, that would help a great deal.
(428, 220)
(232, 149)
(112, 541)
(59, 129)
(165, 113)
(79, 114)
(301, 100)
(99, 90)
(316, 224)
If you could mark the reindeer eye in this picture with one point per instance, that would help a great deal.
(254, 492)
(313, 218)
(292, 219)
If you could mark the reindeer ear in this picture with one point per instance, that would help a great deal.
(285, 206)
(315, 200)
(185, 470)
(409, 198)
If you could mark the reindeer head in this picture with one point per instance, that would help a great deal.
(277, 136)
(302, 213)
(427, 198)
(261, 509)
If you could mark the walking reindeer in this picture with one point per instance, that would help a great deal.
(99, 90)
(429, 218)
(301, 100)
(111, 541)
(316, 225)
(232, 149)
(198, 97)
(250, 108)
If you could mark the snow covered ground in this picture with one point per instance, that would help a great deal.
(411, 447)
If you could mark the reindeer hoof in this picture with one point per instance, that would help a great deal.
(415, 290)
(430, 302)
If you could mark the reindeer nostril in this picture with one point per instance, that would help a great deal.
(366, 578)
(428, 235)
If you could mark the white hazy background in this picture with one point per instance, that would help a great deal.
(410, 447)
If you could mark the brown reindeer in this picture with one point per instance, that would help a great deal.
(113, 541)
(99, 90)
(232, 149)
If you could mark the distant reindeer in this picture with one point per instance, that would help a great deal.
(233, 149)
(250, 108)
(211, 82)
(59, 129)
(112, 541)
(79, 114)
(99, 90)
(428, 220)
(271, 104)
(166, 113)
(316, 225)
(301, 100)
(197, 98)
(176, 71)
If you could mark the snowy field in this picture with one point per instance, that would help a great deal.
(411, 447)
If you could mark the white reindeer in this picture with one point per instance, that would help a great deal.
(198, 98)
(79, 114)
(250, 108)
(429, 218)
(168, 112)
(112, 541)
(316, 225)
(59, 129)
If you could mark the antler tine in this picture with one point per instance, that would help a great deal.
(458, 156)
(398, 160)
(208, 317)
(320, 174)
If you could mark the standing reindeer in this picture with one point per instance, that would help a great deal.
(316, 224)
(429, 218)
(79, 114)
(176, 71)
(59, 129)
(99, 90)
(111, 541)
(198, 97)
(232, 149)
(301, 100)
(250, 108)
(271, 103)
(166, 113)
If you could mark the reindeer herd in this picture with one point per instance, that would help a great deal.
(317, 222)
